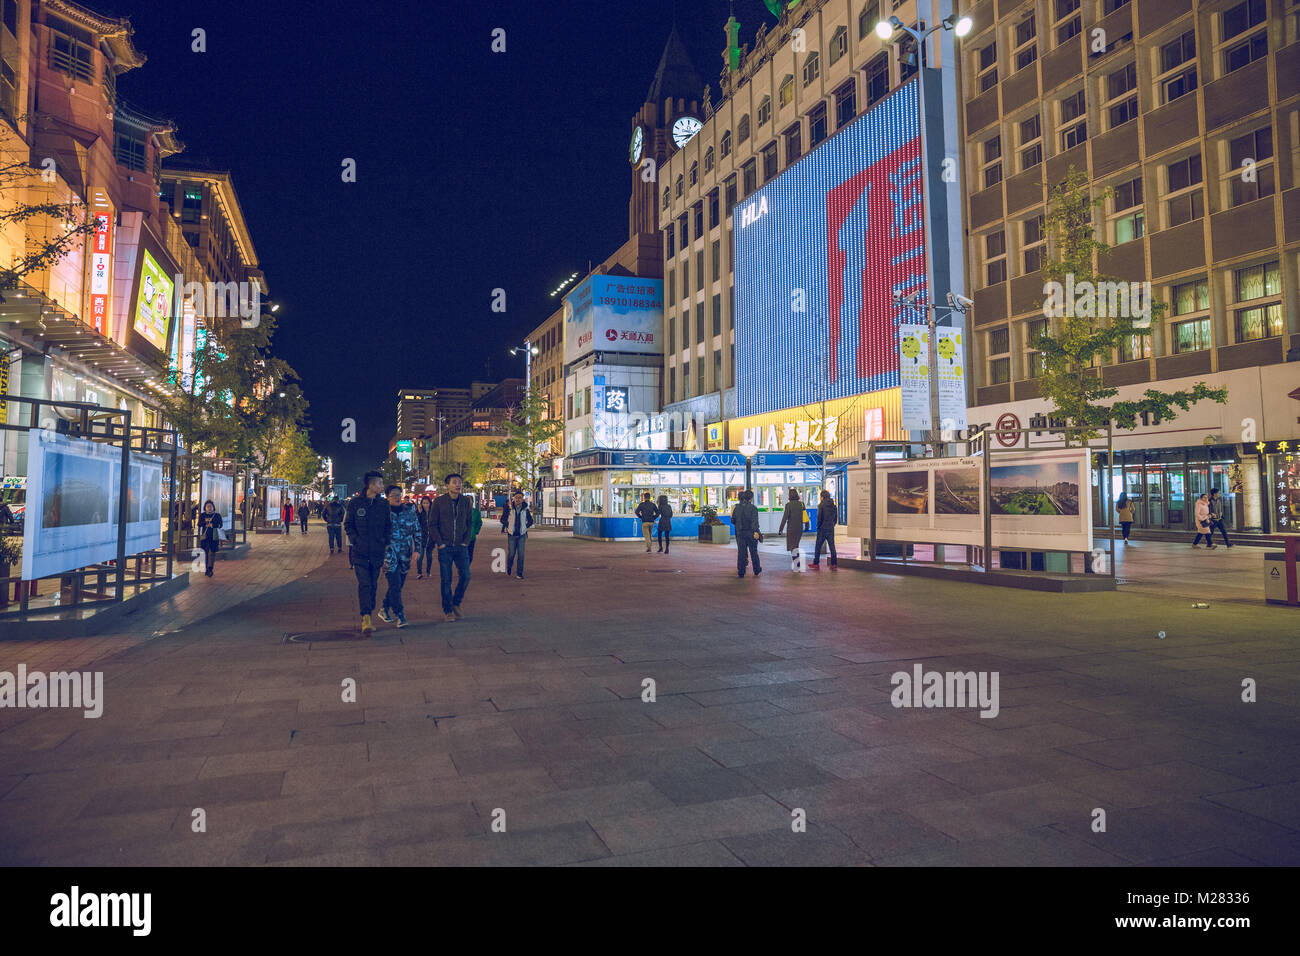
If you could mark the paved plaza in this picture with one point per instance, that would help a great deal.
(520, 735)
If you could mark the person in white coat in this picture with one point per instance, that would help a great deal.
(1203, 523)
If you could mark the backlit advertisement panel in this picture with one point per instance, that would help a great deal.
(72, 496)
(614, 314)
(220, 490)
(153, 311)
(100, 262)
(820, 252)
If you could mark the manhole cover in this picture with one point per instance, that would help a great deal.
(315, 637)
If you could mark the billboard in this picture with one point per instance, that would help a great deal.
(819, 254)
(220, 490)
(72, 496)
(614, 314)
(100, 262)
(914, 376)
(152, 318)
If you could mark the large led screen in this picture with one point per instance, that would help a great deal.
(820, 252)
(614, 314)
(72, 494)
(153, 315)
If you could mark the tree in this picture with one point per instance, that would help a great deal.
(296, 461)
(1086, 334)
(526, 427)
(69, 221)
(396, 472)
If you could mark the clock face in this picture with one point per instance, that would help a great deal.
(638, 143)
(684, 129)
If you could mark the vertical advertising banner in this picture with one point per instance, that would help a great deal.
(101, 263)
(820, 253)
(951, 376)
(914, 375)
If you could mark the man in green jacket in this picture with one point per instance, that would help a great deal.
(475, 526)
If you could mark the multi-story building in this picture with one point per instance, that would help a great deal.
(547, 369)
(421, 412)
(1187, 111)
(203, 203)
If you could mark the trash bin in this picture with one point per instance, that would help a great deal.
(1275, 577)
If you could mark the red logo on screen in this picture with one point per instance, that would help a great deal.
(611, 334)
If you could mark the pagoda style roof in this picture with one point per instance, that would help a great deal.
(675, 76)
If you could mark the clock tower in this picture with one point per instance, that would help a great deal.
(671, 115)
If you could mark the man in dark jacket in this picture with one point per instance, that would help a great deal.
(827, 516)
(450, 524)
(516, 519)
(744, 519)
(369, 525)
(647, 512)
(334, 515)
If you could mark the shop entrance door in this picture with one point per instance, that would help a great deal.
(1133, 485)
(1155, 496)
(1179, 511)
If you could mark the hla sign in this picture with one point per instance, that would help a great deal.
(811, 434)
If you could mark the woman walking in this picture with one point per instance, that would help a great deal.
(1124, 512)
(792, 522)
(1203, 523)
(665, 523)
(209, 537)
(425, 554)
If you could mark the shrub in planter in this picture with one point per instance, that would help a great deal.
(11, 556)
(712, 529)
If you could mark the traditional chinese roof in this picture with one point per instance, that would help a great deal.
(675, 76)
(116, 31)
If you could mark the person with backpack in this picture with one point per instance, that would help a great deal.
(404, 541)
(1216, 515)
(1203, 523)
(744, 519)
(665, 523)
(516, 519)
(828, 515)
(792, 522)
(647, 512)
(334, 514)
(368, 525)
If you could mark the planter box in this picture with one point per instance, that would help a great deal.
(715, 534)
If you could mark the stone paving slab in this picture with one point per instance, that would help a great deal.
(772, 696)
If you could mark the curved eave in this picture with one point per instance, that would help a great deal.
(116, 31)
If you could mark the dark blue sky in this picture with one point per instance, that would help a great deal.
(475, 170)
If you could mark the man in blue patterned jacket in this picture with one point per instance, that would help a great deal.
(406, 540)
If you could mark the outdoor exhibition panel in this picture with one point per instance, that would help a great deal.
(610, 485)
(220, 490)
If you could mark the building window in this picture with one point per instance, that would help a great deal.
(769, 162)
(764, 110)
(786, 92)
(686, 328)
(1073, 112)
(672, 383)
(682, 239)
(713, 208)
(1034, 244)
(672, 337)
(816, 125)
(1131, 225)
(726, 144)
(868, 19)
(999, 356)
(1034, 330)
(717, 370)
(742, 130)
(128, 151)
(749, 176)
(717, 260)
(986, 70)
(699, 267)
(695, 172)
(686, 380)
(672, 284)
(717, 314)
(1069, 22)
(698, 210)
(1120, 96)
(699, 322)
(1178, 67)
(839, 43)
(846, 104)
(1031, 142)
(995, 258)
(1133, 348)
(729, 191)
(792, 146)
(699, 371)
(677, 186)
(1246, 16)
(666, 198)
(1253, 152)
(1186, 200)
(72, 56)
(812, 68)
(708, 160)
(670, 247)
(877, 79)
(1262, 321)
(992, 165)
(1192, 334)
(1026, 51)
(1110, 6)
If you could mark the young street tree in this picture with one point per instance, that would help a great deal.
(52, 229)
(1085, 332)
(526, 427)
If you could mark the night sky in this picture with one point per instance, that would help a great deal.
(475, 170)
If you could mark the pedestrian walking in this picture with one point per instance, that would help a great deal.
(647, 512)
(744, 519)
(476, 525)
(304, 509)
(792, 519)
(424, 554)
(516, 519)
(286, 514)
(404, 541)
(210, 534)
(828, 515)
(449, 526)
(368, 525)
(334, 513)
(665, 533)
(1216, 516)
(1124, 514)
(1203, 523)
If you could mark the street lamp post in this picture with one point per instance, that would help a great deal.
(748, 451)
(529, 351)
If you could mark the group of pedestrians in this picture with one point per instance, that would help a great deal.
(648, 512)
(744, 520)
(384, 532)
(1207, 515)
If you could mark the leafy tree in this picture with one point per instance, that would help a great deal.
(296, 461)
(526, 427)
(1072, 350)
(396, 472)
(70, 225)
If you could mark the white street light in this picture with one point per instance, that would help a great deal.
(963, 26)
(884, 30)
(749, 451)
